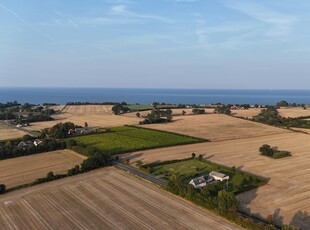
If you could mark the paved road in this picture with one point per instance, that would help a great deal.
(139, 173)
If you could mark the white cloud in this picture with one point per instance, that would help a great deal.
(281, 23)
(123, 11)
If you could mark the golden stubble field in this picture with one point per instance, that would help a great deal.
(108, 198)
(94, 115)
(10, 133)
(21, 170)
(246, 113)
(7, 132)
(216, 127)
(294, 112)
(289, 187)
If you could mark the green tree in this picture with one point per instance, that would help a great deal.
(266, 150)
(227, 202)
(282, 104)
(50, 176)
(2, 188)
(119, 109)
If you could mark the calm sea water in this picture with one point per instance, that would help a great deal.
(147, 96)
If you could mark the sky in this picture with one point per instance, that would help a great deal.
(216, 44)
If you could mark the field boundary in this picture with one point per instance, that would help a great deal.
(162, 131)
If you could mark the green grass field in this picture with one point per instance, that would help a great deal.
(127, 139)
(239, 181)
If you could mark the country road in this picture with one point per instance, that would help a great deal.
(139, 173)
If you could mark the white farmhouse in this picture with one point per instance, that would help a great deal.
(218, 176)
(201, 181)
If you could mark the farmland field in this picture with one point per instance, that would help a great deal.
(216, 127)
(94, 115)
(21, 170)
(89, 109)
(288, 189)
(246, 113)
(127, 139)
(103, 199)
(7, 132)
(294, 112)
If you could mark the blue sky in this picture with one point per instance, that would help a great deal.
(256, 44)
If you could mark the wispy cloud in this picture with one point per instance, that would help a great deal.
(70, 21)
(281, 23)
(27, 23)
(123, 11)
(97, 21)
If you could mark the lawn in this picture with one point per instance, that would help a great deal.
(191, 168)
(127, 139)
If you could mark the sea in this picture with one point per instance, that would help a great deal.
(147, 96)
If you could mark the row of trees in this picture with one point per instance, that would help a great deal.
(11, 149)
(284, 103)
(118, 109)
(60, 130)
(223, 110)
(198, 111)
(270, 116)
(158, 116)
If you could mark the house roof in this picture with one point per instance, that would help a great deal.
(202, 179)
(217, 174)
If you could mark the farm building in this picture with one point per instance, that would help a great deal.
(218, 176)
(36, 142)
(201, 181)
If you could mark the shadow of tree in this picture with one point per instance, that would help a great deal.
(301, 219)
(124, 157)
(208, 157)
(277, 217)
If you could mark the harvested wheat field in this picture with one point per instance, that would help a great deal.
(302, 130)
(89, 109)
(294, 112)
(216, 127)
(56, 107)
(21, 170)
(108, 198)
(94, 115)
(289, 185)
(246, 113)
(7, 132)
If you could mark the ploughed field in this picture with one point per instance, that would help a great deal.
(22, 170)
(288, 189)
(216, 127)
(103, 199)
(94, 115)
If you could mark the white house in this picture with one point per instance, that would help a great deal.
(201, 181)
(36, 142)
(218, 176)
